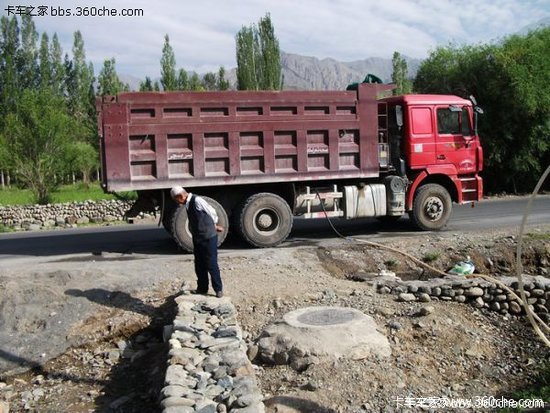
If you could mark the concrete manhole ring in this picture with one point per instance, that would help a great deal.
(327, 316)
(319, 317)
(322, 331)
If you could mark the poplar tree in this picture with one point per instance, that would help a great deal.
(58, 70)
(195, 82)
(45, 67)
(108, 80)
(183, 80)
(246, 60)
(222, 82)
(9, 81)
(79, 80)
(168, 66)
(270, 55)
(258, 57)
(400, 75)
(209, 81)
(146, 85)
(28, 53)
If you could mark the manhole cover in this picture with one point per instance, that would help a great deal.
(327, 317)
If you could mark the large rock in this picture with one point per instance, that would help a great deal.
(322, 332)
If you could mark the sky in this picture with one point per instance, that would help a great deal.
(202, 32)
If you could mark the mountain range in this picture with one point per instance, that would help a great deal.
(310, 73)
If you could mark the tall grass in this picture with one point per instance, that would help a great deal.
(66, 193)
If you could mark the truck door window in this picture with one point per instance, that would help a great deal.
(466, 130)
(448, 122)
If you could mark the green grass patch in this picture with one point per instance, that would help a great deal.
(14, 196)
(4, 228)
(66, 193)
(542, 236)
(431, 256)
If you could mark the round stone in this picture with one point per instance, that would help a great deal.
(406, 297)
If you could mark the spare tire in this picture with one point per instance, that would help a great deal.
(180, 225)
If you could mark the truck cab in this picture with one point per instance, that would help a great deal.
(433, 141)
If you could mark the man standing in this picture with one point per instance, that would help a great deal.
(203, 224)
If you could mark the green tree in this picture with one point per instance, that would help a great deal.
(195, 82)
(270, 53)
(58, 70)
(222, 82)
(82, 157)
(168, 66)
(400, 75)
(209, 81)
(36, 136)
(258, 57)
(246, 60)
(9, 79)
(28, 53)
(146, 85)
(80, 91)
(156, 86)
(109, 83)
(183, 80)
(45, 68)
(511, 81)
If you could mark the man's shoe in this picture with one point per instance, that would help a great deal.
(199, 292)
(219, 294)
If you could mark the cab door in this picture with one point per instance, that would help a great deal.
(455, 143)
(420, 152)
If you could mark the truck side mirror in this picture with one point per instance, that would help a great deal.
(399, 115)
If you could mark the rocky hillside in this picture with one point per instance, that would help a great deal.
(310, 73)
(303, 72)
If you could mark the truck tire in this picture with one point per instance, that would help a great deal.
(180, 225)
(264, 220)
(432, 207)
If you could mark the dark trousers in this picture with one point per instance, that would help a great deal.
(206, 261)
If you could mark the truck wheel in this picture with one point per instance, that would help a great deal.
(431, 207)
(264, 220)
(180, 225)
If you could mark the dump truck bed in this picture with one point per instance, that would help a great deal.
(154, 140)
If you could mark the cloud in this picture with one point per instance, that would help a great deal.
(202, 33)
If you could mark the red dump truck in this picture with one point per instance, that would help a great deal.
(262, 157)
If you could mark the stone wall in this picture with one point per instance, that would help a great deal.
(66, 215)
(208, 369)
(475, 291)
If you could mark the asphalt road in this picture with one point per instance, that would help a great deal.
(99, 242)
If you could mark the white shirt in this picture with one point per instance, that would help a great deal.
(202, 205)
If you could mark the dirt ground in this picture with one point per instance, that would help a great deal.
(110, 354)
